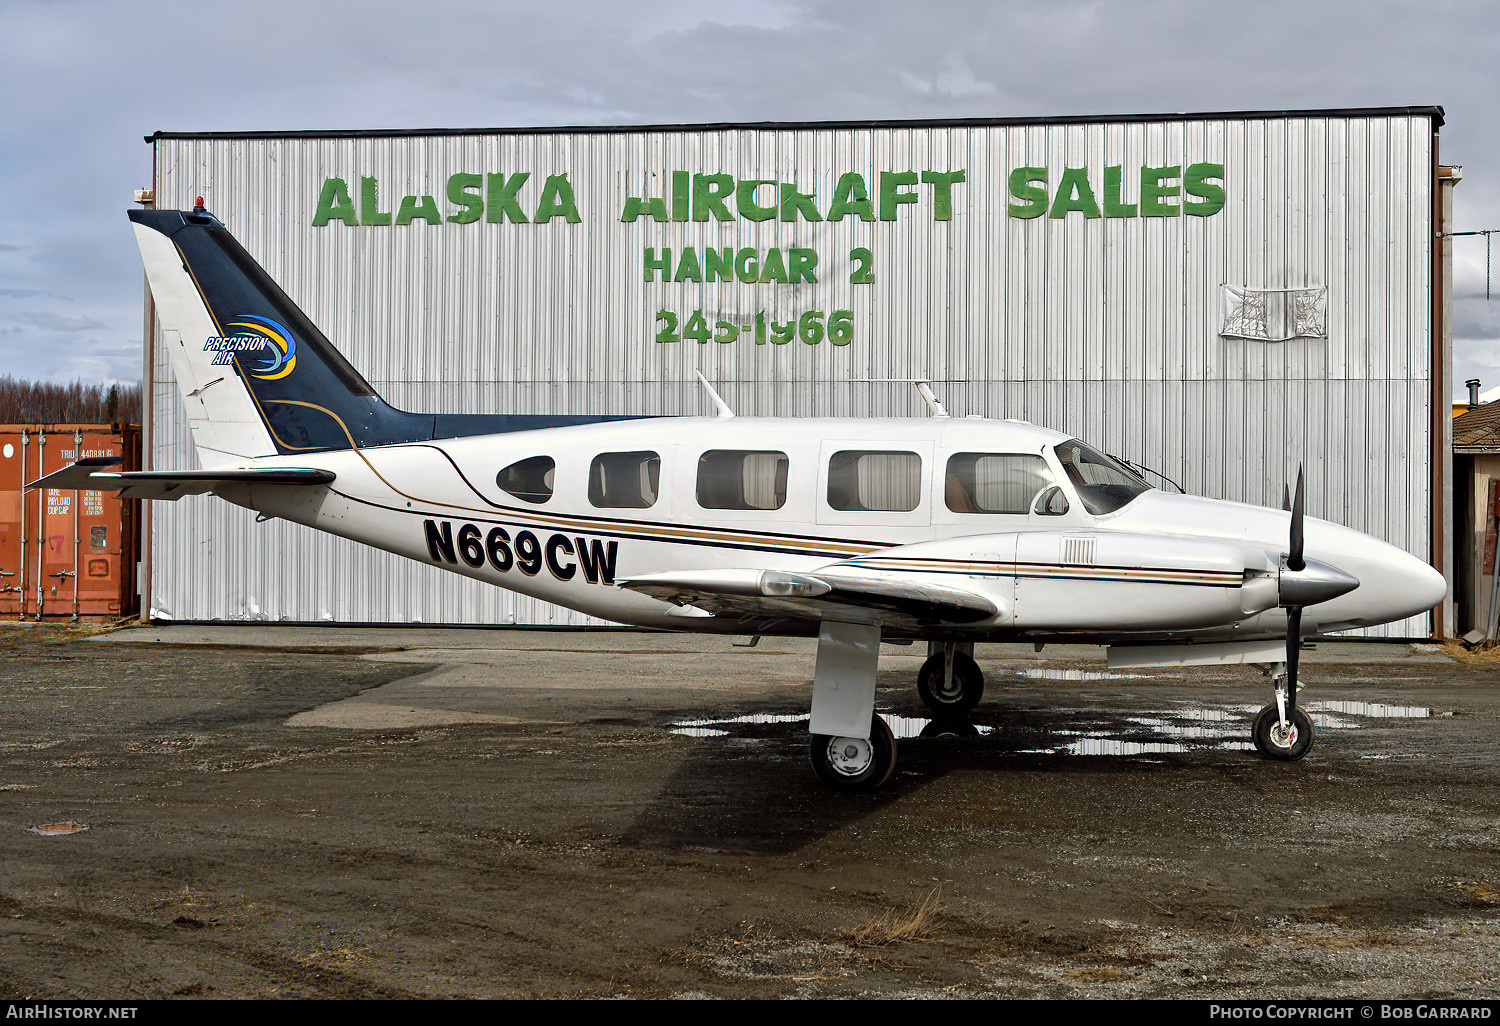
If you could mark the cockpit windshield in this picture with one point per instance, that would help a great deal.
(1103, 484)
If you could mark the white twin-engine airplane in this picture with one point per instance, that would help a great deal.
(947, 531)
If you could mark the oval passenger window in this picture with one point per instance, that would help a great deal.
(529, 479)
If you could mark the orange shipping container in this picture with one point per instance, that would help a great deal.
(65, 554)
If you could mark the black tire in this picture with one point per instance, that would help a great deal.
(853, 764)
(967, 689)
(1268, 738)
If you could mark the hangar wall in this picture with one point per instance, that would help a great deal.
(1091, 301)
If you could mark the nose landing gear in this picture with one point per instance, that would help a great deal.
(1282, 730)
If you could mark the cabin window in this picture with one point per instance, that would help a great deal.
(529, 479)
(874, 480)
(982, 482)
(740, 479)
(624, 480)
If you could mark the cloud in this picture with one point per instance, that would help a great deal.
(1476, 318)
(73, 147)
(50, 321)
(19, 293)
(105, 363)
(954, 79)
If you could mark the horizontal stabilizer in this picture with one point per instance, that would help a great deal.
(172, 484)
(77, 475)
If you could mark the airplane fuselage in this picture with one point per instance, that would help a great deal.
(1161, 566)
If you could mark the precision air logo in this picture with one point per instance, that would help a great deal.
(263, 335)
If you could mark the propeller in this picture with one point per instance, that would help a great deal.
(1304, 582)
(1295, 563)
(1294, 560)
(1298, 583)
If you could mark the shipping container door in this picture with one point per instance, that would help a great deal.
(53, 583)
(102, 523)
(12, 533)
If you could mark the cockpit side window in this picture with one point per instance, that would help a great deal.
(1103, 484)
(530, 479)
(624, 480)
(986, 482)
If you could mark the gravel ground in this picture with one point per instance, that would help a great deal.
(505, 814)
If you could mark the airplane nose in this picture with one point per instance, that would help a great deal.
(1400, 585)
(1424, 584)
(1393, 584)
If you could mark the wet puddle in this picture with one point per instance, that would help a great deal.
(1176, 730)
(1377, 710)
(722, 728)
(1043, 673)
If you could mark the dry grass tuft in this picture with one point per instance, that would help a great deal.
(1474, 657)
(1480, 894)
(895, 925)
(61, 633)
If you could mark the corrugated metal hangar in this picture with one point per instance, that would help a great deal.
(1219, 297)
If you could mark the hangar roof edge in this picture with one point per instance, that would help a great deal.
(1434, 112)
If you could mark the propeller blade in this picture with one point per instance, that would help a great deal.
(1293, 649)
(1294, 560)
(1286, 497)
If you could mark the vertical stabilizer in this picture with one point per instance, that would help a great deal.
(221, 414)
(256, 374)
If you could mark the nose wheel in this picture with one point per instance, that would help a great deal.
(1275, 739)
(854, 763)
(1282, 730)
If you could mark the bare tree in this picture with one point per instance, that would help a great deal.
(48, 402)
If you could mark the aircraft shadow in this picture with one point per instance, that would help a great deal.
(748, 788)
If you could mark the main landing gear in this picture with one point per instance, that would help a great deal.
(950, 681)
(855, 763)
(852, 748)
(1282, 730)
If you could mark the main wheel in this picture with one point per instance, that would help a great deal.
(956, 697)
(1274, 742)
(854, 763)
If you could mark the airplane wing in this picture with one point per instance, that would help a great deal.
(827, 593)
(171, 484)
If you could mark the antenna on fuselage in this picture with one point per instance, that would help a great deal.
(724, 410)
(924, 389)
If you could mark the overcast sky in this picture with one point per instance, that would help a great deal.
(84, 80)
